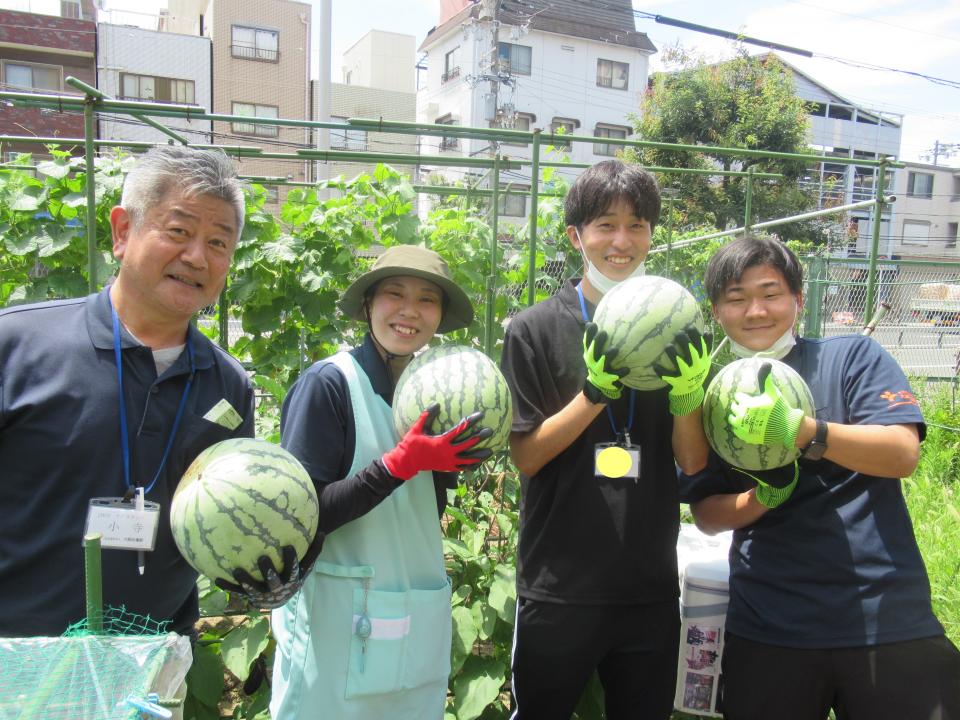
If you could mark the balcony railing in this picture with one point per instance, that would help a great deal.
(450, 74)
(253, 53)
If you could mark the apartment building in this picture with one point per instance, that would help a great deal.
(37, 53)
(139, 64)
(928, 212)
(564, 67)
(261, 66)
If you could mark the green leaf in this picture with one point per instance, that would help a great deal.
(243, 644)
(464, 636)
(21, 244)
(75, 199)
(460, 594)
(278, 390)
(193, 709)
(456, 547)
(503, 593)
(477, 686)
(51, 239)
(56, 169)
(27, 199)
(205, 679)
(285, 249)
(485, 618)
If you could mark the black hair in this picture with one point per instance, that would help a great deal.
(603, 184)
(731, 261)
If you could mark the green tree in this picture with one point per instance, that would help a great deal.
(746, 102)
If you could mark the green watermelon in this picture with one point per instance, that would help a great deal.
(238, 500)
(642, 317)
(463, 381)
(741, 376)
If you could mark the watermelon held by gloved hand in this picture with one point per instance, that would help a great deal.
(238, 500)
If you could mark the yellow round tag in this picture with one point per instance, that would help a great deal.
(613, 462)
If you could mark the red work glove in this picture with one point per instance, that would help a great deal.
(449, 452)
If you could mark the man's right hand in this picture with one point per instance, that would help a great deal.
(603, 383)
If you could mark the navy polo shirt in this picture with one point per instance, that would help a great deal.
(317, 427)
(60, 447)
(837, 565)
(585, 539)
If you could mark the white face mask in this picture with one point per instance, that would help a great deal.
(777, 351)
(598, 281)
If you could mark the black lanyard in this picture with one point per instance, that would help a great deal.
(633, 393)
(124, 436)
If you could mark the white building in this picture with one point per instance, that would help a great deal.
(928, 212)
(379, 79)
(566, 67)
(840, 128)
(138, 64)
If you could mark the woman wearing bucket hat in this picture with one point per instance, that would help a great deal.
(368, 634)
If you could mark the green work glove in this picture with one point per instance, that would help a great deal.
(775, 486)
(691, 356)
(603, 381)
(766, 417)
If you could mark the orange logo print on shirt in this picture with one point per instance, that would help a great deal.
(901, 397)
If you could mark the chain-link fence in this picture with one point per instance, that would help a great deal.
(921, 300)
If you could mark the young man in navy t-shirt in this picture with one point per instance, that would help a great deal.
(829, 597)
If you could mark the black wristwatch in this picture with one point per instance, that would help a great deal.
(817, 446)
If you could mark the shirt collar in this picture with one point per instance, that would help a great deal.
(570, 300)
(370, 360)
(100, 328)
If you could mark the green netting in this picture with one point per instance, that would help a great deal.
(117, 621)
(90, 676)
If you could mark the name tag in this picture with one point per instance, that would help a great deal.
(223, 414)
(612, 460)
(122, 526)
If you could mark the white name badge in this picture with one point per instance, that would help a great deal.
(612, 460)
(122, 526)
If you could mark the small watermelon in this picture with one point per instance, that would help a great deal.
(741, 376)
(642, 316)
(238, 500)
(463, 381)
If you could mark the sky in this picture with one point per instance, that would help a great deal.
(916, 36)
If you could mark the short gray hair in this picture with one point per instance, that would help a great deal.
(192, 171)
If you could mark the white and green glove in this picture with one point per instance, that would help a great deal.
(766, 417)
(691, 355)
(774, 487)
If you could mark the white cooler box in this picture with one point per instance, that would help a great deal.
(704, 581)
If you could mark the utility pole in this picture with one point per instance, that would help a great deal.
(490, 10)
(943, 149)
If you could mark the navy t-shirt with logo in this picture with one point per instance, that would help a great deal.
(837, 565)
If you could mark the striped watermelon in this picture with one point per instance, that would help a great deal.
(741, 376)
(642, 317)
(238, 500)
(463, 381)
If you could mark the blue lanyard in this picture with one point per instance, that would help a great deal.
(633, 393)
(124, 436)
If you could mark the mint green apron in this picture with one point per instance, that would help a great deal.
(368, 635)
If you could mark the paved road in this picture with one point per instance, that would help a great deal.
(923, 350)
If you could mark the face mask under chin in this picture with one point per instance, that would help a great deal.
(778, 351)
(598, 281)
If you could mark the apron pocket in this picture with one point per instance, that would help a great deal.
(400, 641)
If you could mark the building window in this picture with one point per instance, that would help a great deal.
(838, 112)
(33, 76)
(71, 9)
(255, 44)
(565, 126)
(347, 139)
(613, 74)
(609, 131)
(514, 203)
(518, 121)
(515, 59)
(148, 87)
(448, 143)
(254, 111)
(451, 65)
(916, 232)
(952, 230)
(920, 185)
